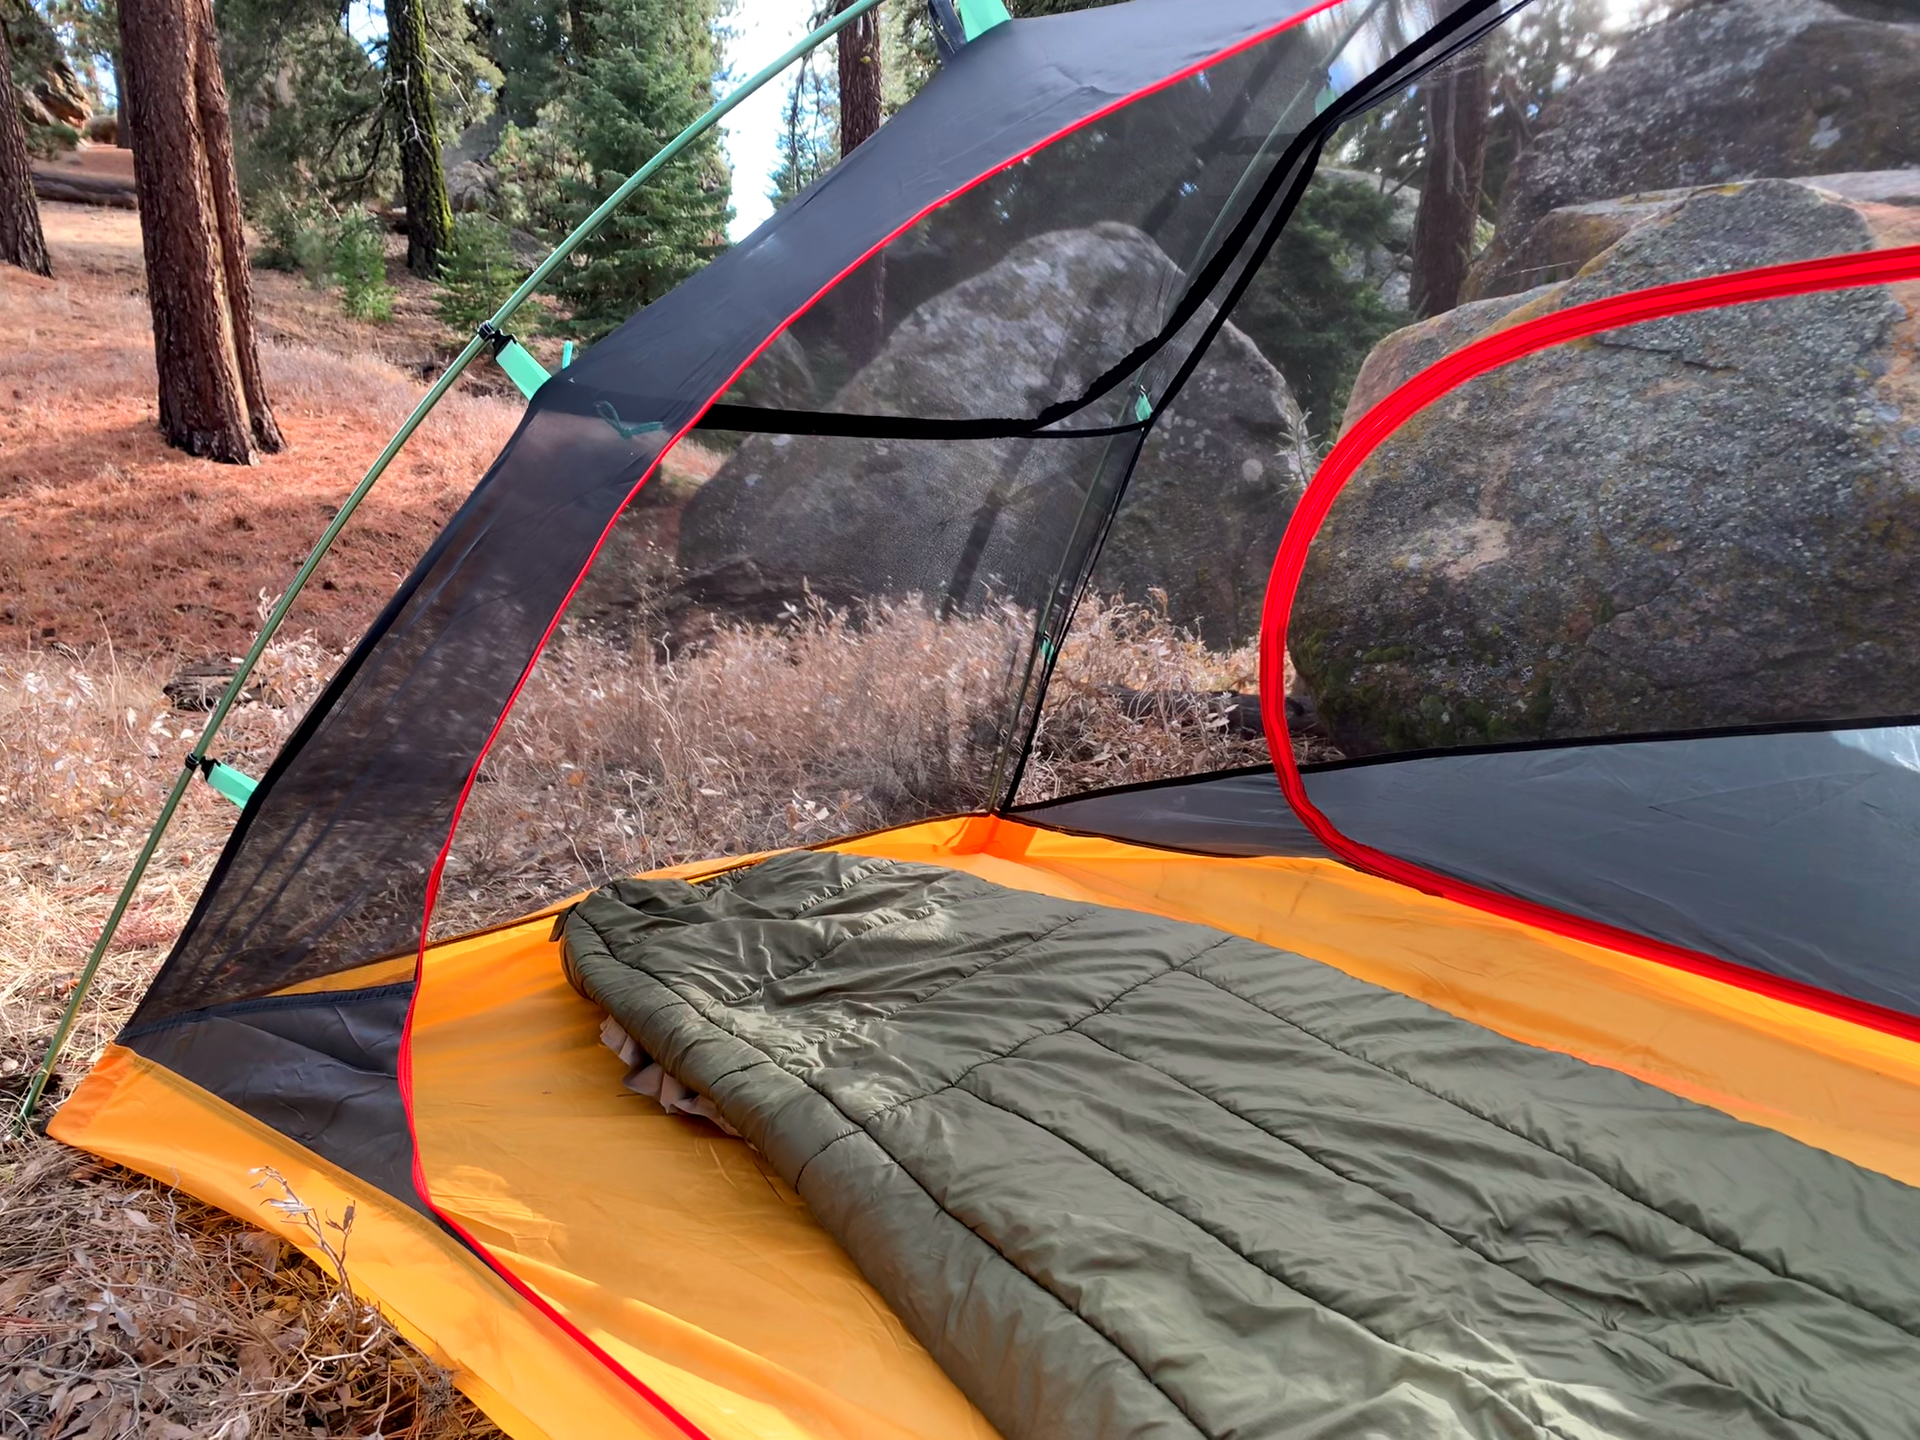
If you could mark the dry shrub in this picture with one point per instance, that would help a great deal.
(130, 1310)
(1135, 697)
(618, 759)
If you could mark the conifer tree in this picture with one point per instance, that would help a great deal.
(212, 399)
(644, 71)
(410, 94)
(21, 242)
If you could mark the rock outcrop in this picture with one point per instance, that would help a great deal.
(962, 521)
(1726, 90)
(1704, 520)
(52, 100)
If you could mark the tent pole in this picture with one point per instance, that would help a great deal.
(30, 1101)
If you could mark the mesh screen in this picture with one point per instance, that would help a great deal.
(956, 557)
(674, 718)
(1699, 522)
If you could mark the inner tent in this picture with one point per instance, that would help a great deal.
(1085, 524)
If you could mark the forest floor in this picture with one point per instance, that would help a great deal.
(127, 1309)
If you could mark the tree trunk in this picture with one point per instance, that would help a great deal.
(211, 400)
(864, 292)
(210, 96)
(122, 132)
(1458, 100)
(410, 96)
(21, 240)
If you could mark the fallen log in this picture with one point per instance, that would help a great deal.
(82, 189)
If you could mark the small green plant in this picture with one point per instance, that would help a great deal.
(360, 262)
(50, 142)
(478, 273)
(297, 235)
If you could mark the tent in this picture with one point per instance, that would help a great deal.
(989, 375)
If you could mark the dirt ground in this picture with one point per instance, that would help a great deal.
(105, 530)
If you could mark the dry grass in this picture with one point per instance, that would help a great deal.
(1173, 722)
(127, 1309)
(619, 759)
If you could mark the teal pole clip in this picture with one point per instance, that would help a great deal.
(979, 16)
(234, 784)
(514, 358)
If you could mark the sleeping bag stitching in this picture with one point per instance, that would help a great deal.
(985, 1060)
(1610, 1184)
(854, 877)
(1631, 1336)
(1466, 1376)
(921, 913)
(860, 1126)
(871, 926)
(1060, 1300)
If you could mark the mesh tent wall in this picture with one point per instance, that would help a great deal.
(583, 1272)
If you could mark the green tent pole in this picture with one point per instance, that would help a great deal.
(480, 341)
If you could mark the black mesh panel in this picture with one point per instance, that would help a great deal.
(331, 864)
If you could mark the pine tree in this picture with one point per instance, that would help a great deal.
(21, 242)
(311, 127)
(809, 128)
(644, 71)
(1458, 98)
(411, 101)
(212, 399)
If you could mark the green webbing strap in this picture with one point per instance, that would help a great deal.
(230, 782)
(979, 16)
(514, 358)
(30, 1101)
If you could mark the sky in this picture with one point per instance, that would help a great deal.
(763, 28)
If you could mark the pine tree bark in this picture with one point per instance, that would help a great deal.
(21, 241)
(863, 294)
(410, 98)
(1458, 101)
(212, 401)
(210, 96)
(122, 132)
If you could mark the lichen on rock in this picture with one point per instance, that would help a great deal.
(1709, 519)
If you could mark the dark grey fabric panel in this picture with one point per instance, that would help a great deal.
(321, 1069)
(1798, 854)
(1129, 1177)
(1241, 814)
(1793, 853)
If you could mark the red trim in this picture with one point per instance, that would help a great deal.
(439, 865)
(1876, 267)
